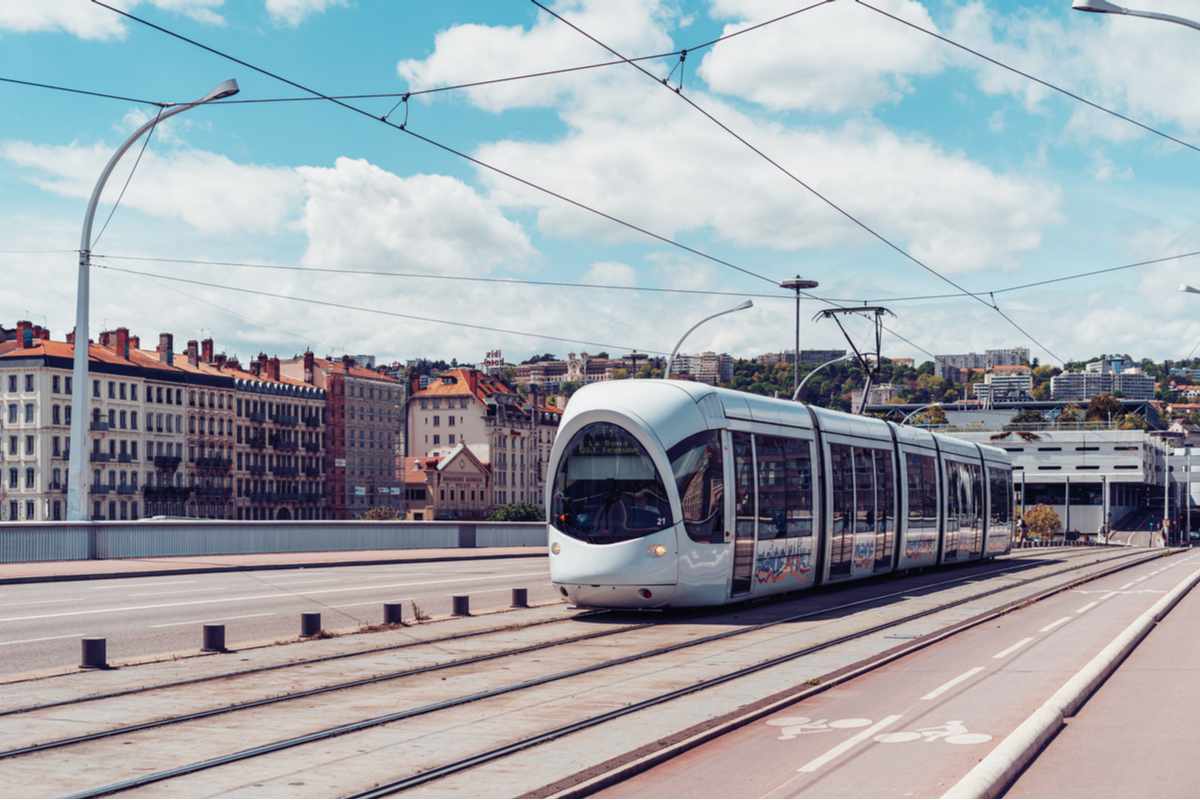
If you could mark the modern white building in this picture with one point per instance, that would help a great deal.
(1131, 384)
(1004, 384)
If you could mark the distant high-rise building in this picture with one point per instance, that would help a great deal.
(1008, 356)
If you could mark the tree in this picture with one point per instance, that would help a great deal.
(381, 514)
(1043, 520)
(517, 512)
(1070, 413)
(934, 415)
(1102, 408)
(1026, 416)
(1133, 422)
(620, 374)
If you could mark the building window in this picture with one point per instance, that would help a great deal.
(29, 514)
(12, 510)
(29, 412)
(28, 445)
(122, 390)
(56, 384)
(133, 420)
(95, 388)
(112, 391)
(29, 477)
(12, 389)
(56, 415)
(14, 478)
(12, 413)
(133, 391)
(29, 383)
(68, 384)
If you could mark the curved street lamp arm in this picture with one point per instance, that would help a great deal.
(916, 411)
(796, 394)
(670, 359)
(1162, 17)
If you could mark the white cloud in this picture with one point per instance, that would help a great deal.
(464, 52)
(88, 21)
(293, 12)
(835, 58)
(1104, 169)
(611, 272)
(209, 192)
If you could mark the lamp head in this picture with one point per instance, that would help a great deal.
(222, 90)
(798, 283)
(1097, 6)
(742, 306)
(1183, 287)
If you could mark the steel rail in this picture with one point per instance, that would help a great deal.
(398, 716)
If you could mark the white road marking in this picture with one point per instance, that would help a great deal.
(211, 619)
(406, 599)
(1107, 595)
(42, 639)
(950, 684)
(1086, 608)
(138, 586)
(1008, 651)
(43, 602)
(179, 591)
(1126, 586)
(244, 598)
(849, 744)
(1055, 624)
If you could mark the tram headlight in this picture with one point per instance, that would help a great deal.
(555, 549)
(658, 550)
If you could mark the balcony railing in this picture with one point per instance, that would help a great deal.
(57, 487)
(312, 421)
(257, 469)
(312, 447)
(166, 492)
(99, 425)
(285, 472)
(257, 443)
(257, 416)
(213, 464)
(284, 445)
(312, 472)
(287, 420)
(125, 458)
(167, 463)
(100, 488)
(100, 457)
(126, 488)
(64, 455)
(211, 492)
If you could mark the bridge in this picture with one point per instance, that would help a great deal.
(948, 681)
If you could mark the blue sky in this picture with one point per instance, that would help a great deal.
(987, 177)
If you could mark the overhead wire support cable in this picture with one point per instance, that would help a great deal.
(809, 187)
(380, 311)
(87, 92)
(1034, 78)
(128, 179)
(478, 162)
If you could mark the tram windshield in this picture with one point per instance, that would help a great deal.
(607, 488)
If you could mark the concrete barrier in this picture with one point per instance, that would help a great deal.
(310, 623)
(77, 541)
(213, 639)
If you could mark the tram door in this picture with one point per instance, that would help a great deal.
(745, 512)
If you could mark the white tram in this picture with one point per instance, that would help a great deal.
(672, 493)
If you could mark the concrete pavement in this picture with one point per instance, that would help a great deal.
(41, 624)
(1142, 720)
(916, 726)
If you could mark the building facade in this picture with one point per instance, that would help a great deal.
(1004, 384)
(1084, 385)
(1001, 357)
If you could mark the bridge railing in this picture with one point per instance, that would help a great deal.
(73, 541)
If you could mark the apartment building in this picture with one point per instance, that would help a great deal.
(1012, 383)
(453, 484)
(363, 417)
(1132, 384)
(944, 365)
(708, 367)
(510, 434)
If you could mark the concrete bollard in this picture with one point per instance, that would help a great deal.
(214, 639)
(93, 653)
(310, 623)
(520, 598)
(393, 613)
(462, 605)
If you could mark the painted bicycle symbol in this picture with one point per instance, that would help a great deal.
(952, 732)
(799, 726)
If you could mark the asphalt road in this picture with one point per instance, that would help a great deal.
(41, 624)
(917, 725)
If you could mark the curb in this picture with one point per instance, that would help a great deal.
(366, 562)
(993, 775)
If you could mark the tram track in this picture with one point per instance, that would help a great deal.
(491, 755)
(380, 677)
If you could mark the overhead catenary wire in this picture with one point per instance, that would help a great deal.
(72, 90)
(1028, 76)
(380, 311)
(456, 152)
(809, 187)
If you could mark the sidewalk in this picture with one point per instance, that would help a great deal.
(49, 571)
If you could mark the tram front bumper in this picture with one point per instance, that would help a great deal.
(600, 596)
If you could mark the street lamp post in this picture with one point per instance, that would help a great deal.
(800, 387)
(798, 285)
(79, 390)
(739, 307)
(1105, 7)
(916, 411)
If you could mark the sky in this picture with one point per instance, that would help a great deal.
(989, 179)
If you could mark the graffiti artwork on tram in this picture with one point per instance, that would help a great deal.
(864, 553)
(773, 567)
(918, 548)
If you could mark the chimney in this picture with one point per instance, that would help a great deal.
(123, 343)
(220, 361)
(40, 333)
(71, 337)
(273, 369)
(256, 367)
(106, 340)
(193, 352)
(135, 342)
(166, 348)
(206, 351)
(24, 332)
(309, 366)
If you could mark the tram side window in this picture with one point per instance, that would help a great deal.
(772, 488)
(700, 478)
(1000, 488)
(975, 471)
(864, 481)
(743, 478)
(922, 492)
(798, 460)
(885, 500)
(842, 475)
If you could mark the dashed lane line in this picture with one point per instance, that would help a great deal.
(42, 639)
(1008, 651)
(950, 684)
(244, 598)
(1055, 624)
(849, 744)
(139, 586)
(1088, 607)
